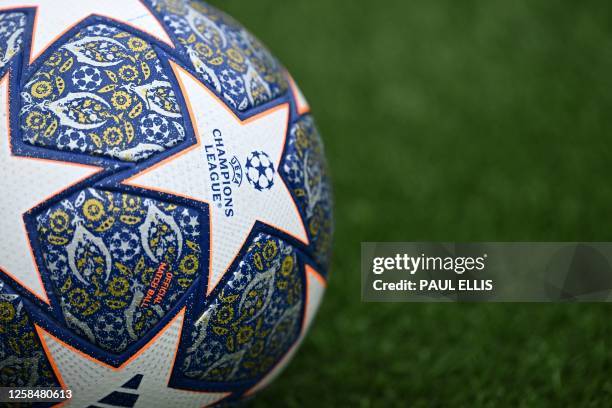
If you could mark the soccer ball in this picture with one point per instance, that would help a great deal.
(166, 212)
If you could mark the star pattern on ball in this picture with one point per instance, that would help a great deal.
(25, 182)
(222, 164)
(151, 363)
(260, 171)
(52, 21)
(210, 171)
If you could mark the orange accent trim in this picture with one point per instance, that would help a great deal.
(298, 97)
(174, 361)
(41, 331)
(33, 38)
(316, 275)
(129, 181)
(17, 6)
(44, 298)
(306, 241)
(176, 155)
(295, 208)
(177, 68)
(310, 272)
(178, 342)
(167, 40)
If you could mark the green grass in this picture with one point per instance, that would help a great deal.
(452, 120)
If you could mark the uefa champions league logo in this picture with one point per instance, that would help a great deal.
(226, 173)
(125, 151)
(260, 171)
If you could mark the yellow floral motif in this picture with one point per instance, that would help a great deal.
(244, 334)
(149, 55)
(71, 102)
(136, 44)
(147, 275)
(110, 269)
(115, 304)
(55, 240)
(28, 341)
(118, 286)
(257, 261)
(67, 285)
(204, 50)
(36, 120)
(128, 73)
(189, 264)
(257, 348)
(121, 100)
(131, 203)
(93, 209)
(130, 219)
(254, 295)
(113, 136)
(59, 221)
(146, 316)
(176, 6)
(287, 266)
(309, 156)
(7, 311)
(235, 55)
(42, 89)
(78, 298)
(236, 61)
(106, 224)
(226, 313)
(258, 318)
(227, 50)
(184, 282)
(302, 139)
(54, 60)
(314, 225)
(270, 250)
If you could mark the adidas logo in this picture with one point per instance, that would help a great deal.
(125, 397)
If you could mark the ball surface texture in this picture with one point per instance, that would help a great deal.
(166, 207)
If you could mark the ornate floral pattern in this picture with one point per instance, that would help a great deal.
(115, 263)
(223, 53)
(11, 36)
(253, 320)
(305, 170)
(22, 360)
(118, 262)
(104, 92)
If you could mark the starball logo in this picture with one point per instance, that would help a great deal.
(412, 264)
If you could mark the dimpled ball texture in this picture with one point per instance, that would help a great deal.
(166, 209)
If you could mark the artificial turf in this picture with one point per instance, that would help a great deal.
(452, 120)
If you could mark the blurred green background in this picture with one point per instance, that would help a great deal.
(452, 120)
